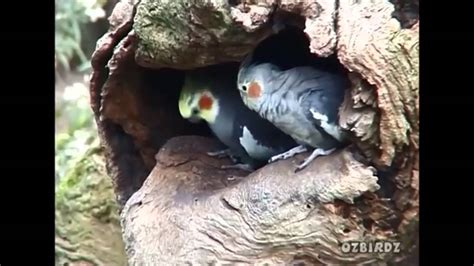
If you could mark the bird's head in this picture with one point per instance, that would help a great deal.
(197, 102)
(253, 83)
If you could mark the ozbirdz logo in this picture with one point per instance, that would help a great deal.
(370, 247)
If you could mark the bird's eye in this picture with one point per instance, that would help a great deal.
(244, 88)
(195, 111)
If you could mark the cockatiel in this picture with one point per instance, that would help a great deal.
(302, 101)
(210, 94)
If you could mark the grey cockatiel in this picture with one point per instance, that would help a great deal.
(302, 101)
(210, 94)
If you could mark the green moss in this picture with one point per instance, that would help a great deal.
(164, 29)
(87, 222)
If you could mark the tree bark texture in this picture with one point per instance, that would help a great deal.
(180, 208)
(87, 225)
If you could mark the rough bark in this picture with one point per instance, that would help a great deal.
(189, 210)
(87, 230)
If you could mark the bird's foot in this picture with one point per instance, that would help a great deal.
(288, 154)
(223, 154)
(239, 166)
(220, 154)
(314, 155)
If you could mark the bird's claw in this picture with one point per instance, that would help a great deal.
(219, 154)
(233, 159)
(316, 153)
(288, 154)
(223, 154)
(298, 169)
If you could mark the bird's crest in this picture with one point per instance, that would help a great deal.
(247, 60)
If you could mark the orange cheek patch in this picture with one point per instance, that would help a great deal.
(205, 102)
(254, 90)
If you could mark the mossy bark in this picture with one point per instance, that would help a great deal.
(87, 226)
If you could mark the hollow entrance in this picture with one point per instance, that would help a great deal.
(143, 102)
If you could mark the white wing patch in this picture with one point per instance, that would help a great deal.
(252, 147)
(332, 130)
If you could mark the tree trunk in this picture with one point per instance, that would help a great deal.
(180, 208)
(87, 229)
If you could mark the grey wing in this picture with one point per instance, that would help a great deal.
(259, 137)
(321, 98)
